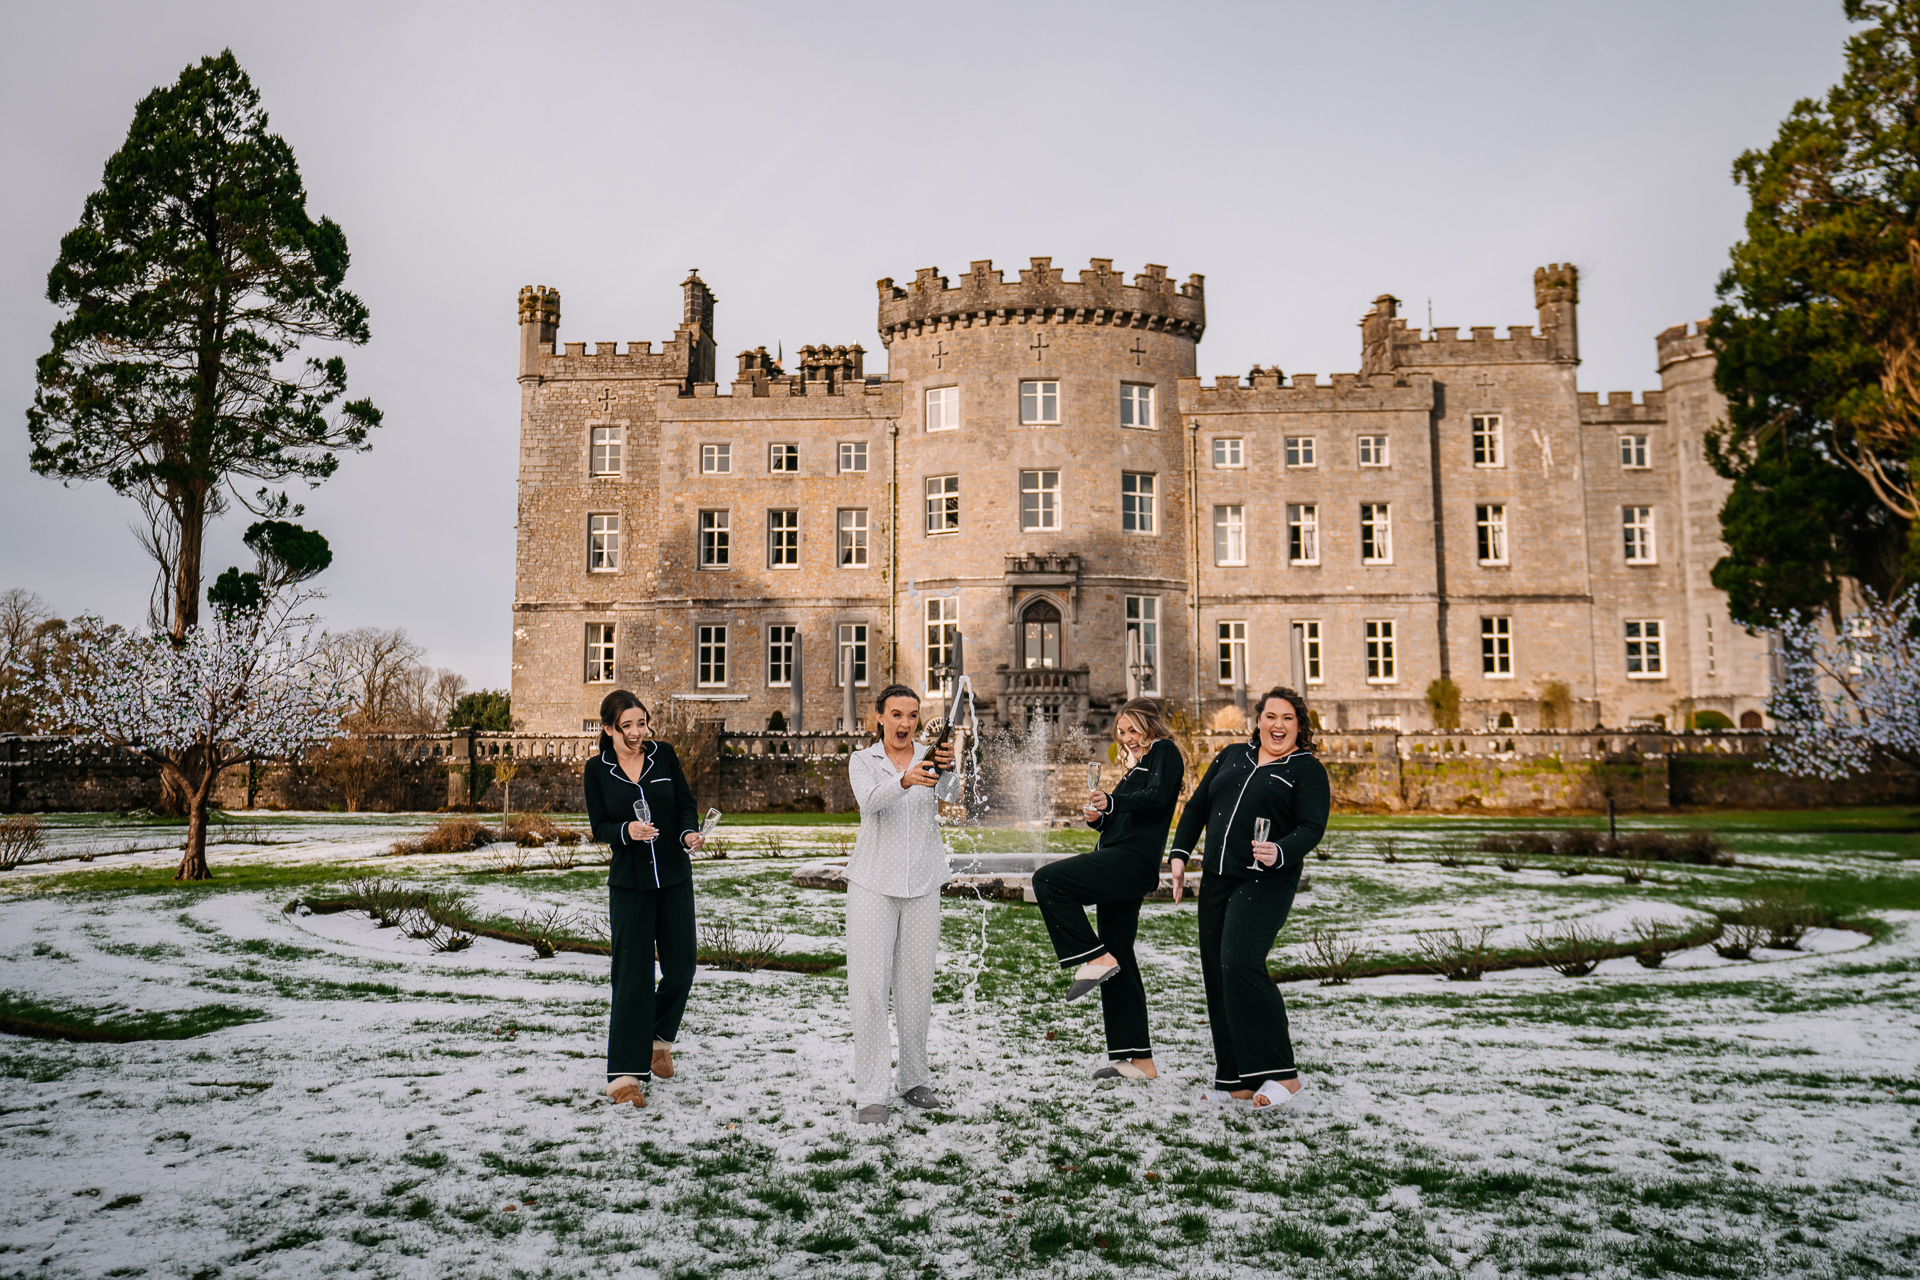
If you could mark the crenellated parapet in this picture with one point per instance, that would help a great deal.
(1618, 408)
(1265, 392)
(1043, 295)
(1682, 342)
(1387, 342)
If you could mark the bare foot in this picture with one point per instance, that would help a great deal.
(1103, 962)
(1292, 1086)
(1146, 1068)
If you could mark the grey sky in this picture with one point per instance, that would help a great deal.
(1304, 157)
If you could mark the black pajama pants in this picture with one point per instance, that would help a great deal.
(1112, 884)
(1239, 920)
(647, 923)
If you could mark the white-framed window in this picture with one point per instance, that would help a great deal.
(852, 551)
(716, 459)
(603, 544)
(599, 653)
(1143, 639)
(1039, 500)
(608, 445)
(1311, 649)
(780, 655)
(716, 539)
(853, 456)
(1646, 649)
(710, 657)
(783, 538)
(1496, 647)
(943, 625)
(1230, 451)
(1230, 534)
(1137, 502)
(1636, 531)
(1299, 451)
(783, 459)
(1136, 404)
(1303, 533)
(1376, 533)
(1490, 532)
(1039, 404)
(1633, 453)
(1381, 660)
(1230, 651)
(943, 408)
(853, 640)
(1373, 451)
(943, 504)
(1487, 447)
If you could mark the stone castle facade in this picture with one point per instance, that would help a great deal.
(1041, 492)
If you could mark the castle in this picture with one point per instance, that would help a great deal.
(1040, 492)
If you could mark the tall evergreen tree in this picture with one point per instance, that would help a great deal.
(189, 285)
(1818, 338)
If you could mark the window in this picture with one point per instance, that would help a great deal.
(1636, 528)
(1230, 649)
(853, 538)
(603, 544)
(1299, 451)
(1712, 665)
(1310, 646)
(1380, 656)
(1486, 440)
(853, 455)
(1231, 452)
(943, 625)
(1039, 499)
(599, 653)
(1136, 502)
(853, 642)
(1373, 451)
(1376, 533)
(780, 656)
(1039, 404)
(943, 408)
(1377, 721)
(716, 536)
(1040, 635)
(1230, 535)
(1646, 654)
(1496, 646)
(783, 539)
(1136, 405)
(1143, 640)
(1303, 534)
(783, 459)
(607, 442)
(1633, 453)
(943, 504)
(716, 459)
(711, 657)
(1490, 530)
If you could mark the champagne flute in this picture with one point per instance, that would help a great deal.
(1260, 828)
(642, 812)
(712, 821)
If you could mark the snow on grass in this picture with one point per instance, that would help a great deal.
(406, 1113)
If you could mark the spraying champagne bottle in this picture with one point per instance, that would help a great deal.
(946, 788)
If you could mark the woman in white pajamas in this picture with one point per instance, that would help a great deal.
(893, 906)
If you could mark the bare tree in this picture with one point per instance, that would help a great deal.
(21, 613)
(381, 661)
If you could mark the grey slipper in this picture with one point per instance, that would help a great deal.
(924, 1098)
(1087, 977)
(873, 1113)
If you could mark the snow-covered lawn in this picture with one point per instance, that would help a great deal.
(397, 1112)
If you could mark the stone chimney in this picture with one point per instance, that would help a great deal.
(539, 326)
(1556, 292)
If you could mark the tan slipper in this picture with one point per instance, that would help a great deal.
(1121, 1071)
(662, 1060)
(626, 1089)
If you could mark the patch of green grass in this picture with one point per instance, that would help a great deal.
(25, 1016)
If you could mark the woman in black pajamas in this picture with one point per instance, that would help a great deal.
(1247, 887)
(649, 890)
(1123, 868)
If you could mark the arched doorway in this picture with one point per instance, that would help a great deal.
(1750, 720)
(1040, 635)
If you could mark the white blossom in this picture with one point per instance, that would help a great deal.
(1849, 699)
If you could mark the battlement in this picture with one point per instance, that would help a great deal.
(1618, 408)
(540, 305)
(1681, 342)
(1388, 343)
(1043, 295)
(1443, 345)
(606, 360)
(768, 400)
(1305, 393)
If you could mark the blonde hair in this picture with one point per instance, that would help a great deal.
(1146, 713)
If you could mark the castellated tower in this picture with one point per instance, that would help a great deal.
(1043, 478)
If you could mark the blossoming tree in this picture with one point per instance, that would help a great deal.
(1849, 699)
(254, 683)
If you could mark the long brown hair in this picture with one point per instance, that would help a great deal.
(612, 707)
(1303, 741)
(1152, 721)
